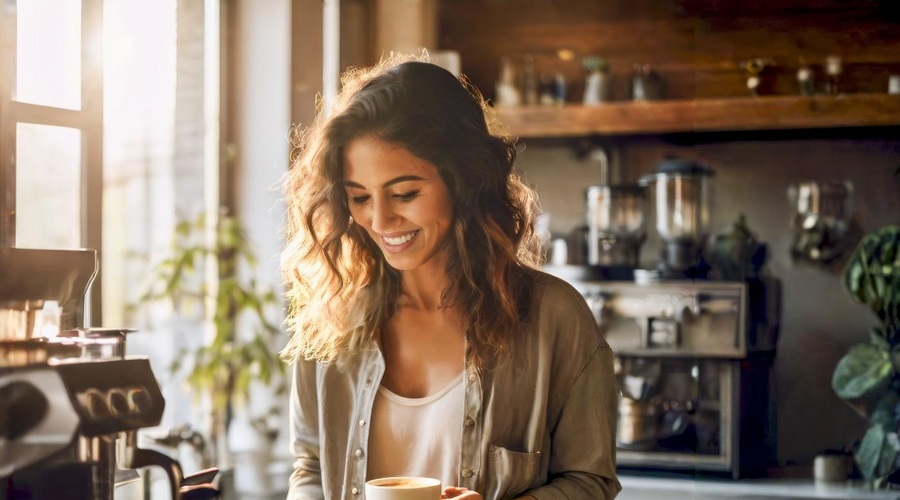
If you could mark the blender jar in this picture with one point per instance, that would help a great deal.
(615, 221)
(680, 191)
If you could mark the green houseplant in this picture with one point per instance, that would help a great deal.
(868, 376)
(230, 358)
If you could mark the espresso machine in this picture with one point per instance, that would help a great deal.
(693, 365)
(72, 401)
(693, 346)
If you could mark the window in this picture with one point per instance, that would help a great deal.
(51, 127)
(108, 111)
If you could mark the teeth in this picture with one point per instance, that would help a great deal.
(400, 239)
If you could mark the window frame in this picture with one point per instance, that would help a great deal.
(88, 119)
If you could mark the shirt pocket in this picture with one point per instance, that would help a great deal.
(510, 472)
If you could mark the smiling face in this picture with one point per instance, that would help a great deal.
(400, 200)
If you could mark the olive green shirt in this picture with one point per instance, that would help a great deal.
(542, 423)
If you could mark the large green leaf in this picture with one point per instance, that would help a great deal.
(872, 275)
(865, 368)
(869, 451)
(877, 453)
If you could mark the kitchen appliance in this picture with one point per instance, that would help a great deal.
(72, 401)
(821, 219)
(693, 364)
(679, 191)
(609, 243)
(615, 221)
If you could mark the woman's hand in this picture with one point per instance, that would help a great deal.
(460, 493)
(466, 494)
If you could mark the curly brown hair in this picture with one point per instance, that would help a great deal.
(340, 289)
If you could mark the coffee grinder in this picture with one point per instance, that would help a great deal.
(679, 191)
(615, 220)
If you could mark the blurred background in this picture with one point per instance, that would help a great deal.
(126, 123)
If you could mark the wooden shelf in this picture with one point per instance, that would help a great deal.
(703, 115)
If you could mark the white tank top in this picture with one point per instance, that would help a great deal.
(417, 436)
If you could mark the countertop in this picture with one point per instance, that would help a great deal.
(639, 487)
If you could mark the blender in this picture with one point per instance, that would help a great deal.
(680, 192)
(615, 220)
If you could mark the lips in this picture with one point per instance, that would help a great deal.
(399, 241)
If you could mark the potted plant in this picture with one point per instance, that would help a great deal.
(868, 376)
(230, 358)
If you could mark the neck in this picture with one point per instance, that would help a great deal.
(422, 290)
(422, 287)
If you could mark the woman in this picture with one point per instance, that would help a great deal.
(425, 344)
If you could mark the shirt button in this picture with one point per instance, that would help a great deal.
(469, 422)
(472, 377)
(368, 381)
(362, 423)
(467, 473)
(355, 491)
(358, 452)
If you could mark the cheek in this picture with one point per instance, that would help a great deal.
(356, 214)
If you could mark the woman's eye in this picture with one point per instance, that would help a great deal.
(410, 196)
(356, 200)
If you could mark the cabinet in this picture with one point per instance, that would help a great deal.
(703, 115)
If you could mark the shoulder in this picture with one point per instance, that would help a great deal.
(560, 311)
(561, 337)
(555, 294)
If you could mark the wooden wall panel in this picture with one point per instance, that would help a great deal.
(696, 45)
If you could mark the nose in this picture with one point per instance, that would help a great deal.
(383, 216)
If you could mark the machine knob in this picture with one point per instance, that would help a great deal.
(118, 402)
(139, 400)
(94, 404)
(22, 407)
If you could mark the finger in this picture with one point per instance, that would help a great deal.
(452, 491)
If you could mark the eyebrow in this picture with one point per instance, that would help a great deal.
(395, 180)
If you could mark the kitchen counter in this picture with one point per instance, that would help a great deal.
(636, 487)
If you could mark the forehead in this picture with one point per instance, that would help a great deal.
(370, 160)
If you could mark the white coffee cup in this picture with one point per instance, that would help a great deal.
(403, 488)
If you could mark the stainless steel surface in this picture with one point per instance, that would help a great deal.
(685, 318)
(694, 388)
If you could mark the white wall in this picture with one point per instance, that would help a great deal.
(261, 114)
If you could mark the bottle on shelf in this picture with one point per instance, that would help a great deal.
(529, 82)
(546, 90)
(596, 85)
(559, 89)
(506, 91)
(646, 84)
(805, 80)
(833, 69)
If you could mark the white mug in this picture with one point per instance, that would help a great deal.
(403, 488)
